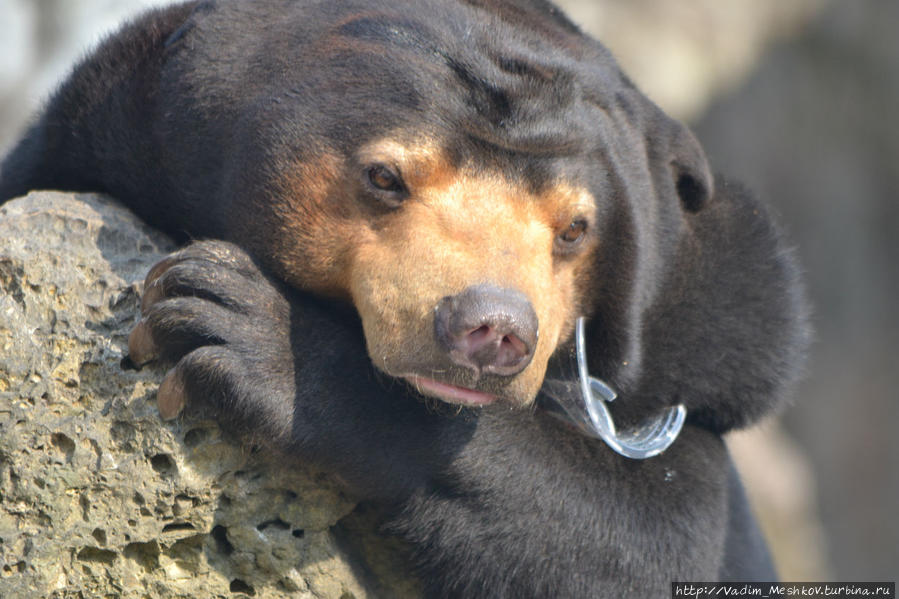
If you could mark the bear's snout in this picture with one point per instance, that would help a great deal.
(487, 329)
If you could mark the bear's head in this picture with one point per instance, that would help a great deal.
(472, 186)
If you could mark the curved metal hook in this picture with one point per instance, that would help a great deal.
(591, 416)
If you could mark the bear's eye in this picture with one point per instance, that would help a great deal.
(569, 239)
(385, 185)
(574, 232)
(384, 179)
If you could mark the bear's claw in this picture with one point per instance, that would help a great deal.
(171, 397)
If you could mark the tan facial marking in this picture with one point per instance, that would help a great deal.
(314, 214)
(455, 229)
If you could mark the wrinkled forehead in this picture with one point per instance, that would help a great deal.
(461, 74)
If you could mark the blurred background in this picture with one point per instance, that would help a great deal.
(799, 98)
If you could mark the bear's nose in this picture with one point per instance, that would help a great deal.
(487, 328)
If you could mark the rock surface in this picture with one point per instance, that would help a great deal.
(98, 496)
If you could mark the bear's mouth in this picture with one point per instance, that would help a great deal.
(450, 393)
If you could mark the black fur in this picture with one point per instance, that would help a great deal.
(188, 114)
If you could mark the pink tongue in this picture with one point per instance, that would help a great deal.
(451, 393)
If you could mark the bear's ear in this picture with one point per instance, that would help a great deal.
(689, 169)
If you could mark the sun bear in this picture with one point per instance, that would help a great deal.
(408, 205)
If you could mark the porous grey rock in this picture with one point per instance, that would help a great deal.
(98, 496)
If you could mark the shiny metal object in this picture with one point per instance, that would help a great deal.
(580, 400)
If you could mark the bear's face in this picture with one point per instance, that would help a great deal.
(465, 279)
